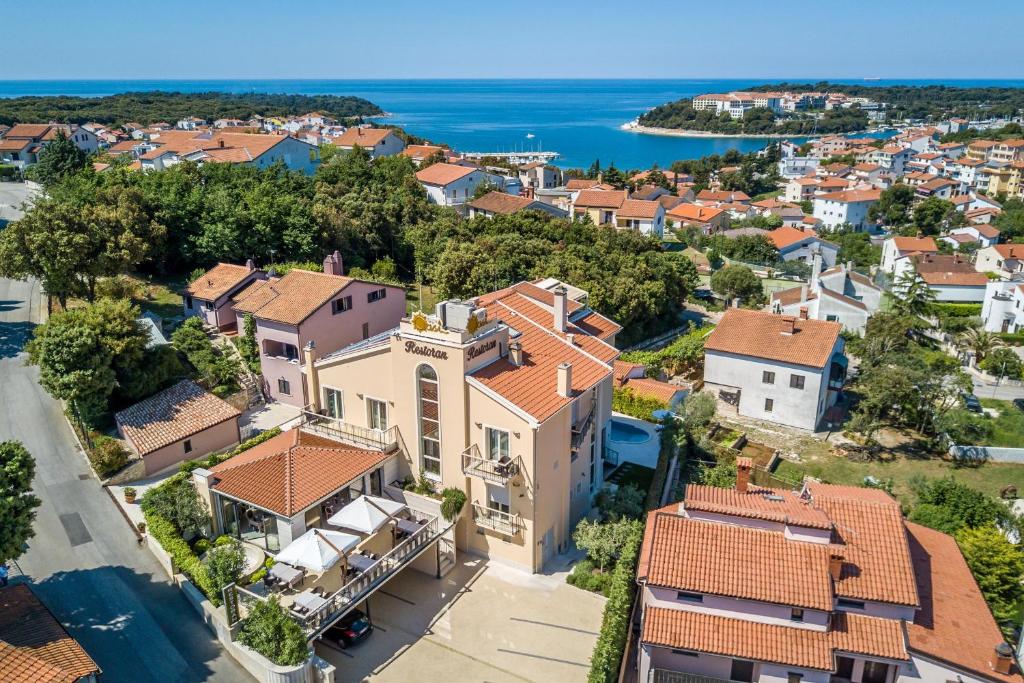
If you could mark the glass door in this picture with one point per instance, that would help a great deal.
(332, 404)
(378, 414)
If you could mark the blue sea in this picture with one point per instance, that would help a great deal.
(579, 119)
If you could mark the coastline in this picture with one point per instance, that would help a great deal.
(633, 127)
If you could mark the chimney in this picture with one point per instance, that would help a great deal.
(309, 357)
(515, 353)
(561, 308)
(1004, 659)
(849, 266)
(815, 270)
(803, 313)
(788, 325)
(332, 264)
(803, 293)
(565, 380)
(220, 142)
(743, 466)
(835, 566)
(250, 264)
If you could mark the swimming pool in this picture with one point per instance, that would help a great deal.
(623, 432)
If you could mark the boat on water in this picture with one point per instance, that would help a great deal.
(530, 136)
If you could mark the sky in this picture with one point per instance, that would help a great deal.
(121, 39)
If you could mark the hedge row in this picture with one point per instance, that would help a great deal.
(185, 560)
(611, 641)
(627, 402)
(956, 310)
(1012, 338)
(667, 450)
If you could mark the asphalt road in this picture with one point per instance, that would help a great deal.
(84, 561)
(12, 196)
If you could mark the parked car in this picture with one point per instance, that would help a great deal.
(350, 629)
(972, 403)
(1019, 403)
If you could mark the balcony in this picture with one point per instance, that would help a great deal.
(581, 427)
(495, 471)
(386, 440)
(496, 520)
(665, 676)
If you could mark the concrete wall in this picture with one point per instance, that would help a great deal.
(215, 438)
(984, 453)
(761, 612)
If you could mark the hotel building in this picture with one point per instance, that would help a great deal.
(506, 396)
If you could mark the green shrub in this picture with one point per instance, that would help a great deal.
(270, 631)
(177, 501)
(8, 171)
(185, 560)
(584, 577)
(667, 449)
(222, 541)
(947, 310)
(1012, 338)
(224, 564)
(627, 402)
(201, 546)
(452, 501)
(611, 641)
(1003, 362)
(107, 456)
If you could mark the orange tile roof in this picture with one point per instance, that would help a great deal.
(421, 151)
(600, 199)
(652, 388)
(27, 130)
(364, 137)
(788, 645)
(294, 297)
(759, 334)
(954, 279)
(723, 196)
(620, 369)
(443, 174)
(581, 183)
(638, 208)
(787, 235)
(695, 212)
(501, 203)
(218, 281)
(13, 144)
(27, 625)
(738, 562)
(1014, 251)
(171, 415)
(954, 623)
(19, 665)
(773, 505)
(852, 196)
(292, 471)
(595, 324)
(922, 244)
(987, 231)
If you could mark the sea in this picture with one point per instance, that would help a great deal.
(579, 119)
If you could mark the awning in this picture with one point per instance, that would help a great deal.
(366, 514)
(318, 549)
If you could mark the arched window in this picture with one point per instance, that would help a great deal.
(430, 425)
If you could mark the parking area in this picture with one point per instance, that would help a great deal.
(12, 197)
(482, 622)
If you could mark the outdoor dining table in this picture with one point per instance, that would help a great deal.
(290, 575)
(360, 562)
(408, 526)
(309, 601)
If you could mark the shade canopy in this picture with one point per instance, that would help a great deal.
(366, 514)
(318, 549)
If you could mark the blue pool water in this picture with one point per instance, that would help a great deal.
(624, 432)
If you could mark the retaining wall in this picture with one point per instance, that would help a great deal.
(987, 453)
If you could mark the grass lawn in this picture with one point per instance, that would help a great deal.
(412, 299)
(1008, 428)
(631, 474)
(988, 477)
(160, 296)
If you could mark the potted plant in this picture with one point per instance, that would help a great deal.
(142, 527)
(452, 500)
(129, 494)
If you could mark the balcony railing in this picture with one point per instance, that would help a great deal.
(611, 456)
(665, 676)
(497, 471)
(496, 520)
(385, 440)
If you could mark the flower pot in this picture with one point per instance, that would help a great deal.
(129, 497)
(142, 527)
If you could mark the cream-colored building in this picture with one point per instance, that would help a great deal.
(506, 396)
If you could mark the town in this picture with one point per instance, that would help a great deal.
(361, 406)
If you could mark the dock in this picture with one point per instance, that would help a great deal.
(522, 157)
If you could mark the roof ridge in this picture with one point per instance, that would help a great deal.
(553, 334)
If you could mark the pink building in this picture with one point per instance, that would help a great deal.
(209, 296)
(327, 309)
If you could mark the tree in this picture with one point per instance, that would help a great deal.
(997, 565)
(1011, 221)
(177, 501)
(603, 541)
(738, 282)
(625, 502)
(248, 346)
(1003, 362)
(484, 188)
(980, 342)
(270, 631)
(699, 410)
(224, 563)
(59, 159)
(856, 246)
(961, 505)
(17, 504)
(722, 475)
(893, 206)
(912, 295)
(932, 215)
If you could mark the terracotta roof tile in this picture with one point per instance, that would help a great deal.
(600, 199)
(294, 297)
(738, 562)
(26, 624)
(852, 196)
(652, 388)
(501, 203)
(292, 471)
(13, 144)
(775, 505)
(922, 244)
(171, 415)
(1014, 251)
(27, 130)
(638, 208)
(364, 137)
(218, 281)
(787, 645)
(695, 213)
(581, 184)
(19, 665)
(595, 324)
(787, 235)
(760, 335)
(443, 174)
(954, 279)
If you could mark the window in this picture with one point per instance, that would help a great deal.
(796, 614)
(333, 406)
(875, 672)
(430, 426)
(768, 405)
(497, 443)
(796, 382)
(188, 445)
(209, 305)
(767, 377)
(376, 295)
(188, 302)
(284, 387)
(832, 318)
(844, 668)
(685, 653)
(794, 678)
(378, 414)
(366, 330)
(742, 670)
(497, 498)
(849, 604)
(689, 597)
(341, 305)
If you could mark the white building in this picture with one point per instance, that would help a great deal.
(897, 252)
(802, 244)
(449, 184)
(1005, 260)
(795, 167)
(850, 207)
(1003, 307)
(837, 295)
(379, 142)
(782, 369)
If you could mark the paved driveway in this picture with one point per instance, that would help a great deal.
(84, 561)
(12, 196)
(482, 622)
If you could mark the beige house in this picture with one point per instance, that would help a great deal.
(506, 396)
(182, 422)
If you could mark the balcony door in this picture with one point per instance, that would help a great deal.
(378, 414)
(497, 444)
(332, 403)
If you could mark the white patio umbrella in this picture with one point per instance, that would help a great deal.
(366, 514)
(318, 549)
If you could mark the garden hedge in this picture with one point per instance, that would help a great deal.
(611, 641)
(185, 560)
(627, 402)
(946, 310)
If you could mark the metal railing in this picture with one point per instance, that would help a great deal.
(356, 590)
(666, 676)
(611, 456)
(497, 471)
(496, 520)
(364, 437)
(580, 428)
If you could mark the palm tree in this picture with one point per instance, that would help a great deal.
(980, 342)
(913, 296)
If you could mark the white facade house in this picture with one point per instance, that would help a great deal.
(835, 295)
(796, 167)
(379, 142)
(1003, 307)
(782, 369)
(986, 235)
(802, 244)
(848, 207)
(898, 251)
(451, 185)
(1005, 260)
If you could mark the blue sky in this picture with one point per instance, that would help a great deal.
(526, 38)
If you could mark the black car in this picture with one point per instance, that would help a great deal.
(350, 629)
(972, 403)
(1019, 403)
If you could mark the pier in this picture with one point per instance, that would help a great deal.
(514, 157)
